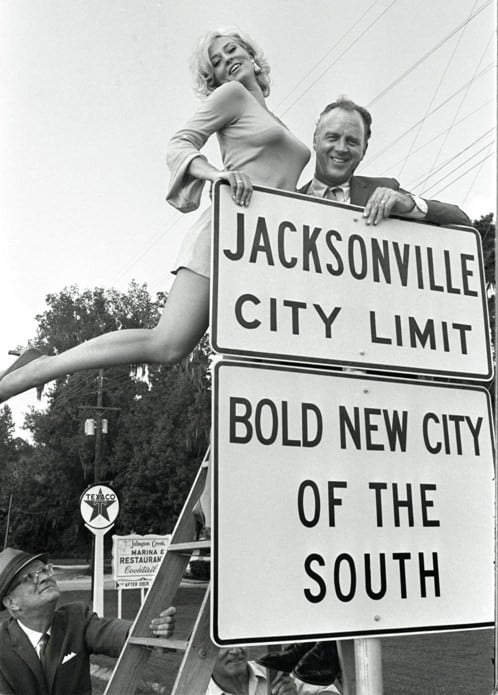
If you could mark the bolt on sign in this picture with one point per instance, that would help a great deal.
(304, 279)
(365, 503)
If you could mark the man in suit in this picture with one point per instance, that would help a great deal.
(45, 649)
(340, 142)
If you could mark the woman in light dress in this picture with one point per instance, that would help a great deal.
(231, 73)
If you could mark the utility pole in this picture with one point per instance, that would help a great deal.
(98, 434)
(99, 425)
(6, 538)
(97, 463)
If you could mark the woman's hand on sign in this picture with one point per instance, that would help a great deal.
(240, 185)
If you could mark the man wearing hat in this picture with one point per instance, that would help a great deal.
(45, 649)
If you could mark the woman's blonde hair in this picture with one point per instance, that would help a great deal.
(202, 69)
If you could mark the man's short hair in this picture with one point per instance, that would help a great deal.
(347, 105)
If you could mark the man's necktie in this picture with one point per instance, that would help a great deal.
(43, 651)
(335, 193)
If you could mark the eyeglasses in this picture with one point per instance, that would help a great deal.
(34, 576)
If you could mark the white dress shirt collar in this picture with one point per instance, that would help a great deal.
(257, 682)
(320, 189)
(33, 635)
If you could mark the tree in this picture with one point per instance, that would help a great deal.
(487, 229)
(164, 437)
(158, 426)
(13, 451)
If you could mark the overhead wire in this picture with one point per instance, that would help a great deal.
(422, 180)
(337, 43)
(434, 94)
(421, 60)
(442, 132)
(459, 166)
(146, 250)
(462, 100)
(353, 43)
(472, 186)
(462, 175)
(437, 108)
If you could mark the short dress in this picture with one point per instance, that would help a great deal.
(251, 140)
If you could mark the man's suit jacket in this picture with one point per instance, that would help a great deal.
(75, 634)
(362, 188)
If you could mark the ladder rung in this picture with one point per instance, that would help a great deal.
(191, 545)
(164, 642)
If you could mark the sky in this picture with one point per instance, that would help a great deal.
(91, 92)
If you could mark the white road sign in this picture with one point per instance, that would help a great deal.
(304, 279)
(135, 558)
(363, 505)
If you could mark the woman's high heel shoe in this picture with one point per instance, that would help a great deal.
(28, 355)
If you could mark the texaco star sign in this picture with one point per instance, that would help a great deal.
(99, 506)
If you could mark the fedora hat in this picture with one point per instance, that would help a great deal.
(12, 561)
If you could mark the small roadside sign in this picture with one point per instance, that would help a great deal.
(304, 279)
(99, 506)
(135, 558)
(365, 503)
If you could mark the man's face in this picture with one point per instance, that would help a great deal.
(230, 662)
(340, 144)
(34, 592)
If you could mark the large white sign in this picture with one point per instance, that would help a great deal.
(135, 559)
(308, 280)
(362, 505)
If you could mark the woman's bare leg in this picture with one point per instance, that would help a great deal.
(184, 320)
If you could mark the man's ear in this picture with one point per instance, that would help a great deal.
(10, 603)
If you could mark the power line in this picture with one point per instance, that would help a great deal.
(471, 187)
(462, 100)
(435, 183)
(422, 180)
(442, 132)
(146, 250)
(337, 43)
(443, 103)
(428, 54)
(450, 60)
(462, 175)
(339, 57)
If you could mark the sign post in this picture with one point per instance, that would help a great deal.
(99, 507)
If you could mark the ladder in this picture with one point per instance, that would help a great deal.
(199, 653)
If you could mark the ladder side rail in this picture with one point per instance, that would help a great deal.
(173, 565)
(198, 662)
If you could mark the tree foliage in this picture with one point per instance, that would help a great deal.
(487, 230)
(158, 428)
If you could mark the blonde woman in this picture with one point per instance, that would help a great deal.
(230, 71)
